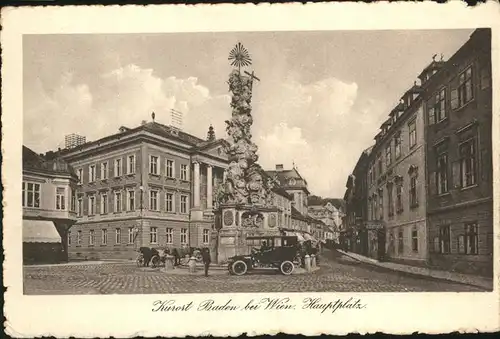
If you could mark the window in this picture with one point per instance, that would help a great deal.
(431, 113)
(205, 236)
(375, 207)
(414, 240)
(92, 173)
(69, 238)
(399, 198)
(118, 235)
(444, 239)
(184, 203)
(169, 165)
(401, 241)
(390, 200)
(131, 201)
(465, 93)
(397, 145)
(170, 236)
(79, 173)
(130, 235)
(104, 203)
(118, 167)
(440, 105)
(79, 237)
(153, 200)
(413, 191)
(442, 173)
(468, 163)
(104, 171)
(73, 200)
(80, 207)
(184, 172)
(381, 205)
(380, 164)
(91, 204)
(413, 133)
(91, 238)
(471, 239)
(485, 78)
(370, 177)
(169, 202)
(131, 164)
(388, 156)
(183, 236)
(118, 202)
(104, 237)
(31, 195)
(153, 235)
(153, 164)
(60, 198)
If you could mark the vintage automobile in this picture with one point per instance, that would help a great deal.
(278, 252)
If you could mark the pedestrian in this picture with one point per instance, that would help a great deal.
(175, 253)
(205, 253)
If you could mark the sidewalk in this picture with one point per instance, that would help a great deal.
(483, 282)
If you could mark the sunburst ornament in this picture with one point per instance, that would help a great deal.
(239, 56)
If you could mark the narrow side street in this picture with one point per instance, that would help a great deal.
(338, 273)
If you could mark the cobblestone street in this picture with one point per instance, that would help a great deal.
(337, 274)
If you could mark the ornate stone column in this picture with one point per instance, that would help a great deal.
(196, 180)
(209, 187)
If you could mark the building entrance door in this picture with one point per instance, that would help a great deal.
(381, 245)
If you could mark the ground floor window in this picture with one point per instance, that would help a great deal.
(130, 235)
(471, 238)
(444, 239)
(205, 236)
(170, 236)
(104, 240)
(183, 236)
(414, 240)
(153, 235)
(118, 235)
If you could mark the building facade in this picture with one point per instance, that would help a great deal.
(396, 181)
(458, 108)
(361, 234)
(48, 202)
(148, 186)
(329, 215)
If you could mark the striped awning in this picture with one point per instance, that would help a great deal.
(38, 231)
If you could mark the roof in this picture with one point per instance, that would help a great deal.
(283, 177)
(315, 201)
(297, 215)
(152, 127)
(35, 162)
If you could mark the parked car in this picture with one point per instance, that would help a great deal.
(278, 252)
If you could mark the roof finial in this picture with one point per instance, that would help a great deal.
(153, 116)
(442, 56)
(434, 57)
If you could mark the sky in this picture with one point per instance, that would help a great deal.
(321, 98)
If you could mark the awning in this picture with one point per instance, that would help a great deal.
(39, 231)
(309, 237)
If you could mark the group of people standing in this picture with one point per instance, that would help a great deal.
(149, 253)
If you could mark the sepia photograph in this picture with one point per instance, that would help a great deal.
(257, 162)
(191, 168)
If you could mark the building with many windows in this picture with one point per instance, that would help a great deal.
(151, 186)
(396, 181)
(73, 140)
(458, 103)
(48, 202)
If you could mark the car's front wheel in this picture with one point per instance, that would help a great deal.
(239, 267)
(286, 267)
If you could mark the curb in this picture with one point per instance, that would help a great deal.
(373, 262)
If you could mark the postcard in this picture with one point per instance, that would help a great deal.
(229, 169)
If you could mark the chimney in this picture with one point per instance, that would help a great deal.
(279, 167)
